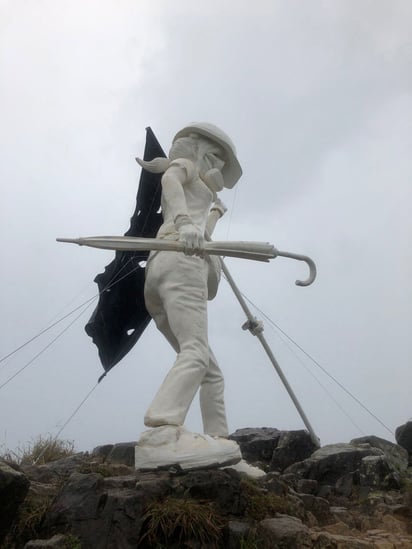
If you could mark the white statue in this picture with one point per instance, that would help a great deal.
(202, 161)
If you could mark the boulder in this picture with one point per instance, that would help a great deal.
(292, 446)
(220, 485)
(97, 513)
(102, 451)
(331, 462)
(257, 444)
(236, 534)
(376, 472)
(14, 486)
(403, 436)
(122, 453)
(396, 456)
(283, 532)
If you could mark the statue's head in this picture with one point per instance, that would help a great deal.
(210, 148)
(213, 148)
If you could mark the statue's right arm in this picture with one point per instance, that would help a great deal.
(172, 189)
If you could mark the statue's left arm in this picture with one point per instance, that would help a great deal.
(216, 212)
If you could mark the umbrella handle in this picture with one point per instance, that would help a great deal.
(310, 263)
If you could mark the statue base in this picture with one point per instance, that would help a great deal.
(173, 446)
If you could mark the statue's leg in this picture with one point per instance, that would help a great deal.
(176, 286)
(212, 403)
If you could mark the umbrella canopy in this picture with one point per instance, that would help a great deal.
(121, 316)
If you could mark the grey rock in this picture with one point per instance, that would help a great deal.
(331, 462)
(376, 472)
(59, 541)
(102, 451)
(236, 534)
(319, 507)
(14, 486)
(344, 484)
(403, 436)
(293, 446)
(100, 516)
(283, 532)
(307, 486)
(122, 453)
(395, 455)
(326, 491)
(220, 485)
(257, 444)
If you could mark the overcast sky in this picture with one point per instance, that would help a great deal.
(317, 96)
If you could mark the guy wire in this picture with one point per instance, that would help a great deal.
(320, 366)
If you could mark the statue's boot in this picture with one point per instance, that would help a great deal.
(173, 446)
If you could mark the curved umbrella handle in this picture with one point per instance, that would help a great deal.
(310, 263)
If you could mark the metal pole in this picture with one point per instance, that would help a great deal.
(256, 328)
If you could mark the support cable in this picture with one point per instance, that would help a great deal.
(45, 348)
(320, 366)
(112, 283)
(65, 423)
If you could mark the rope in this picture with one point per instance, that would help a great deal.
(320, 366)
(65, 424)
(292, 350)
(44, 348)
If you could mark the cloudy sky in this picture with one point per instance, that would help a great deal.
(317, 96)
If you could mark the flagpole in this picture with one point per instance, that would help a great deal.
(255, 327)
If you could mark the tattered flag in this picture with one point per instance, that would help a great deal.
(121, 316)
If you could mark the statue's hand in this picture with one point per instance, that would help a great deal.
(191, 237)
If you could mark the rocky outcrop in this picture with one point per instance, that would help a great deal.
(343, 495)
(274, 450)
(403, 436)
(14, 486)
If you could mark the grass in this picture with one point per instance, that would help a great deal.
(176, 522)
(40, 451)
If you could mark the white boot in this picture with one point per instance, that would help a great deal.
(250, 470)
(169, 445)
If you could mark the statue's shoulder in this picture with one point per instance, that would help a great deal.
(187, 166)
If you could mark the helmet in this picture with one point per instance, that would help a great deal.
(231, 170)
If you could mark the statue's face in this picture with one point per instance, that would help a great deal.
(211, 162)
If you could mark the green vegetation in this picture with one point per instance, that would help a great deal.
(182, 523)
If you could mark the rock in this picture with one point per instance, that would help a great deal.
(293, 446)
(283, 532)
(396, 456)
(122, 453)
(102, 451)
(220, 485)
(344, 485)
(257, 444)
(319, 507)
(376, 472)
(236, 534)
(59, 541)
(325, 540)
(403, 436)
(98, 514)
(331, 462)
(14, 486)
(307, 486)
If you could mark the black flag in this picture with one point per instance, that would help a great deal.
(121, 316)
